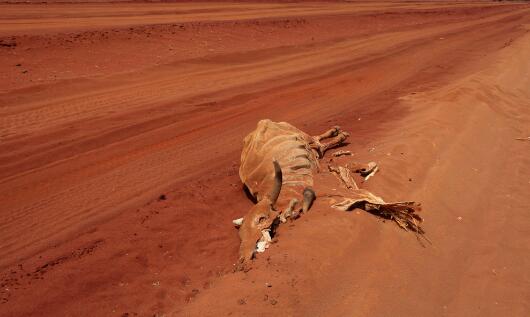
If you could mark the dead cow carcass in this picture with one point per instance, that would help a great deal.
(278, 166)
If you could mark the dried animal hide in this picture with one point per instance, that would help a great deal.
(287, 145)
(403, 213)
(279, 188)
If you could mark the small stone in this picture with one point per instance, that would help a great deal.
(268, 284)
(241, 301)
(459, 218)
(274, 302)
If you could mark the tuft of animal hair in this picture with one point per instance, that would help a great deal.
(404, 214)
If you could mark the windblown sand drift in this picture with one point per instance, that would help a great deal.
(279, 187)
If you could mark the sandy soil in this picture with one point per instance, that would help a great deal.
(120, 133)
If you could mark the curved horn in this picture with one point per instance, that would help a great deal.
(309, 197)
(275, 192)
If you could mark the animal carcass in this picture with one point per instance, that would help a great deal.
(278, 165)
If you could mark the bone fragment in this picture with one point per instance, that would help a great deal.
(365, 170)
(344, 175)
(237, 222)
(341, 153)
(288, 212)
(372, 172)
(264, 241)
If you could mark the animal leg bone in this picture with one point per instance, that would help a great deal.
(328, 134)
(317, 146)
(288, 212)
(334, 142)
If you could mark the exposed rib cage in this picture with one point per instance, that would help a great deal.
(290, 147)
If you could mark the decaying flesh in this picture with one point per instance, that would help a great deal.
(278, 164)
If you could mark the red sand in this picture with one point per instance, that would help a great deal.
(105, 107)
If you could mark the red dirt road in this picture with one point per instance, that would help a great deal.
(106, 107)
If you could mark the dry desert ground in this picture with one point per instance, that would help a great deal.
(121, 127)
